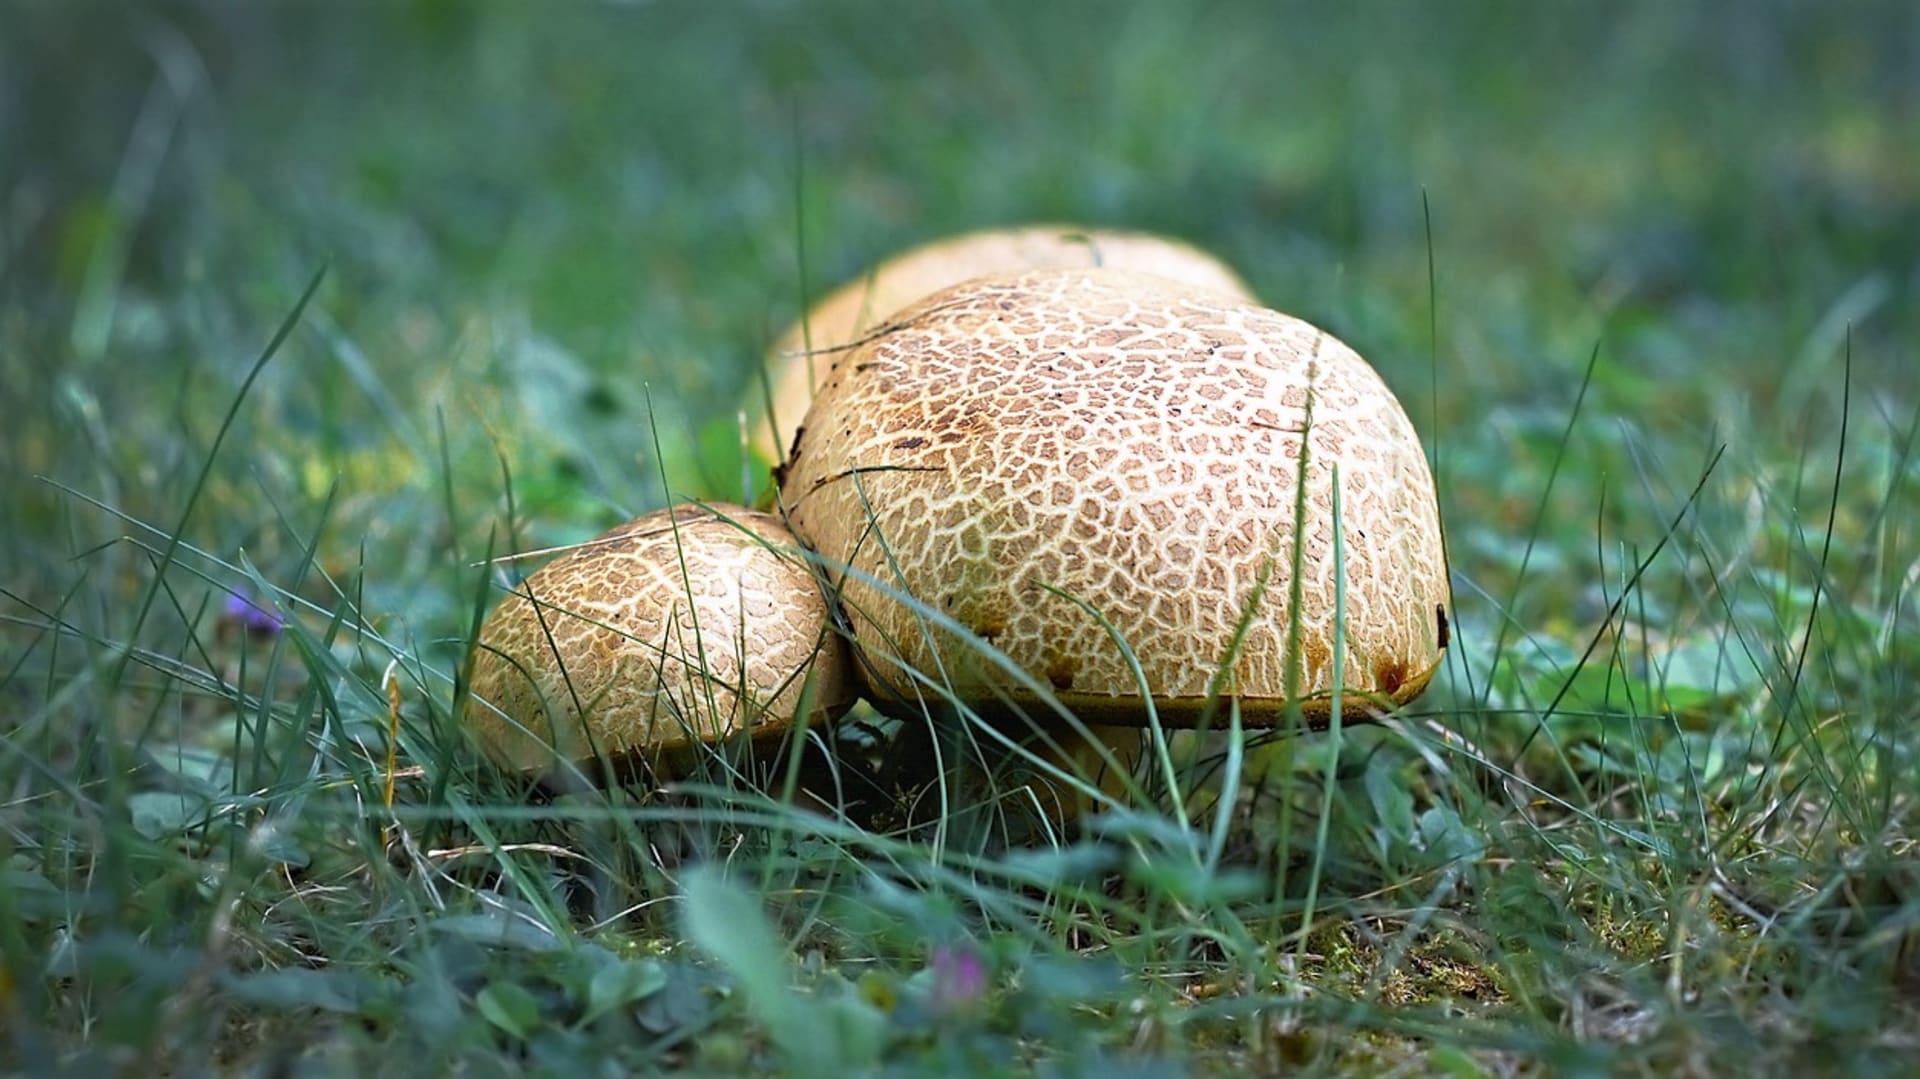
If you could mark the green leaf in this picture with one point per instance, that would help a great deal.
(1446, 837)
(1075, 863)
(28, 895)
(161, 814)
(509, 1006)
(432, 1007)
(329, 990)
(279, 848)
(1392, 802)
(499, 929)
(203, 771)
(623, 982)
(859, 1029)
(1450, 1061)
(1703, 670)
(727, 923)
(684, 1005)
(1187, 880)
(1077, 979)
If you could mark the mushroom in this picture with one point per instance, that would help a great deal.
(860, 307)
(678, 629)
(1055, 462)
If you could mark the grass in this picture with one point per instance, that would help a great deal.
(1643, 276)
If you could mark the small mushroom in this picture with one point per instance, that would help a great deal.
(681, 628)
(1054, 459)
(801, 357)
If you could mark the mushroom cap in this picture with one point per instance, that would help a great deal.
(803, 354)
(680, 627)
(1133, 442)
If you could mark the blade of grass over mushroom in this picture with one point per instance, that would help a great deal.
(1162, 753)
(896, 588)
(1334, 725)
(802, 730)
(928, 619)
(937, 680)
(660, 655)
(680, 554)
(1227, 798)
(1293, 718)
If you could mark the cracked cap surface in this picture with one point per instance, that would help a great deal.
(655, 659)
(1134, 443)
(803, 354)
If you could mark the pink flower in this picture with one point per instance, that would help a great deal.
(959, 978)
(256, 620)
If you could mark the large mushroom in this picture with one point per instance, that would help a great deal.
(681, 628)
(1061, 462)
(802, 356)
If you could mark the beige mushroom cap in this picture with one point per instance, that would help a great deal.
(1133, 442)
(800, 358)
(680, 627)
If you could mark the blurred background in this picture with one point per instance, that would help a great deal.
(559, 238)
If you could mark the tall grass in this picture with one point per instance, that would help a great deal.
(1637, 275)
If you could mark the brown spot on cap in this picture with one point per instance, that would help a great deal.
(1389, 676)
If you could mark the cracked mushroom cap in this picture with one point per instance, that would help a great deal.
(680, 627)
(1134, 443)
(800, 359)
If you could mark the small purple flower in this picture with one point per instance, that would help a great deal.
(959, 977)
(256, 620)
